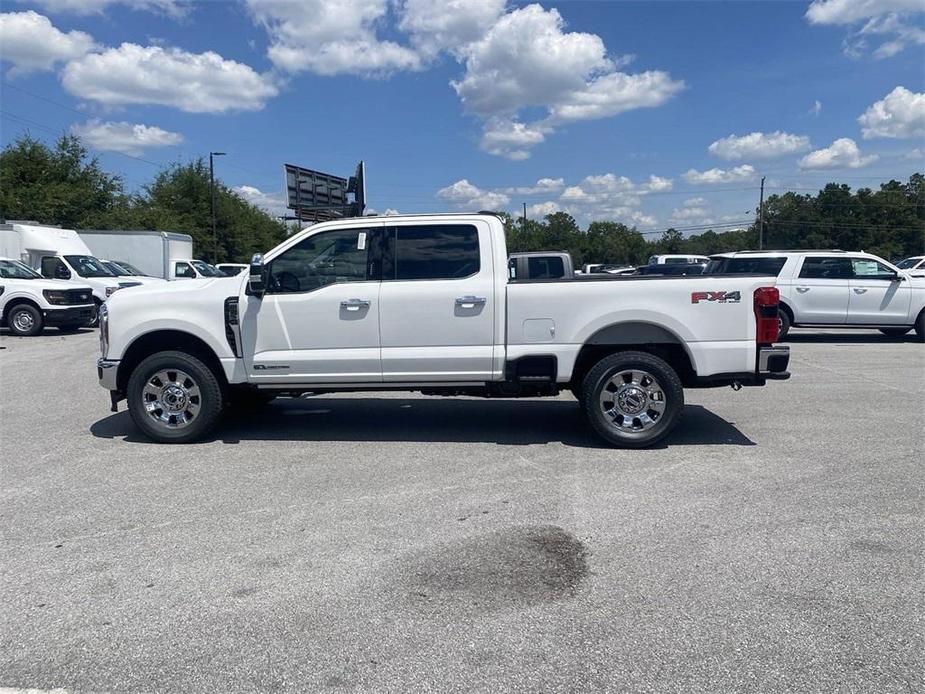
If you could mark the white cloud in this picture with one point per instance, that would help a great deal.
(746, 172)
(272, 203)
(816, 108)
(464, 194)
(888, 19)
(192, 82)
(171, 8)
(127, 138)
(510, 139)
(331, 38)
(30, 43)
(450, 25)
(918, 155)
(543, 186)
(527, 60)
(900, 114)
(841, 154)
(695, 202)
(758, 145)
(541, 209)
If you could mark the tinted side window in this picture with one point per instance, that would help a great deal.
(826, 268)
(330, 257)
(54, 268)
(546, 268)
(184, 270)
(755, 266)
(434, 252)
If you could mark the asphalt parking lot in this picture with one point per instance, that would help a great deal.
(396, 542)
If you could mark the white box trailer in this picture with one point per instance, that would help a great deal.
(156, 253)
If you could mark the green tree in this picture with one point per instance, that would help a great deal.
(60, 184)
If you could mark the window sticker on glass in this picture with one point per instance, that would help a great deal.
(361, 241)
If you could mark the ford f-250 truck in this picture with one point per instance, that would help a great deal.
(424, 303)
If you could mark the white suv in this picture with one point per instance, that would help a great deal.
(835, 289)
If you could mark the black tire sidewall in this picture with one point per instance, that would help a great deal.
(209, 388)
(38, 323)
(784, 324)
(600, 374)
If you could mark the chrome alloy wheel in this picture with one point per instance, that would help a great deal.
(23, 321)
(633, 401)
(171, 398)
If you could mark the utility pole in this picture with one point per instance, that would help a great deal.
(212, 196)
(523, 220)
(761, 217)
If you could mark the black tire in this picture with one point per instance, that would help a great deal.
(895, 332)
(209, 405)
(70, 327)
(783, 324)
(95, 318)
(920, 327)
(672, 396)
(25, 320)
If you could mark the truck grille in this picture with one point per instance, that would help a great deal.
(76, 297)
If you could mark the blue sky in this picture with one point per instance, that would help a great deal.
(652, 113)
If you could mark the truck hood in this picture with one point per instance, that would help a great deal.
(167, 293)
(41, 284)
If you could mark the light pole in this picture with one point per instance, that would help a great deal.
(212, 196)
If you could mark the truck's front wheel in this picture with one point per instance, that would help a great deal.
(632, 399)
(174, 398)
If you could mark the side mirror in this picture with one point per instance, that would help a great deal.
(256, 280)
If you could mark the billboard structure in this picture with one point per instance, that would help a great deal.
(315, 196)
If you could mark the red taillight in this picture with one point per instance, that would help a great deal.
(767, 300)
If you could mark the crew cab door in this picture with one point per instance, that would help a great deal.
(319, 319)
(878, 295)
(437, 302)
(820, 290)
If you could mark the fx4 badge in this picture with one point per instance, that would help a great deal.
(719, 297)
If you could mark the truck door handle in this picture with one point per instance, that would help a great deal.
(470, 301)
(354, 304)
(802, 290)
(859, 290)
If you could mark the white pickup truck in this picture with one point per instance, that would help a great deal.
(424, 303)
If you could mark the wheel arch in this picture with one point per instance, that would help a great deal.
(164, 340)
(639, 336)
(783, 306)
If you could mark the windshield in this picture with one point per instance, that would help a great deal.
(14, 270)
(87, 266)
(130, 269)
(114, 269)
(206, 270)
(908, 263)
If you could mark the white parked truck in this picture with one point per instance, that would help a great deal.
(424, 303)
(29, 302)
(163, 254)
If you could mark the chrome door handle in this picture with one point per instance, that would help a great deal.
(354, 304)
(802, 290)
(859, 290)
(470, 301)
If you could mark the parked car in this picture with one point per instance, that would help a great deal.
(607, 268)
(29, 302)
(672, 269)
(231, 269)
(424, 303)
(915, 265)
(677, 259)
(835, 289)
(540, 265)
(127, 272)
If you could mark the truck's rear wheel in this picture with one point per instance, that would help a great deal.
(24, 320)
(632, 399)
(174, 398)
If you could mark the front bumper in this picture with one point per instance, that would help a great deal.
(73, 315)
(107, 370)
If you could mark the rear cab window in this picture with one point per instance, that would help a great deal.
(431, 252)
